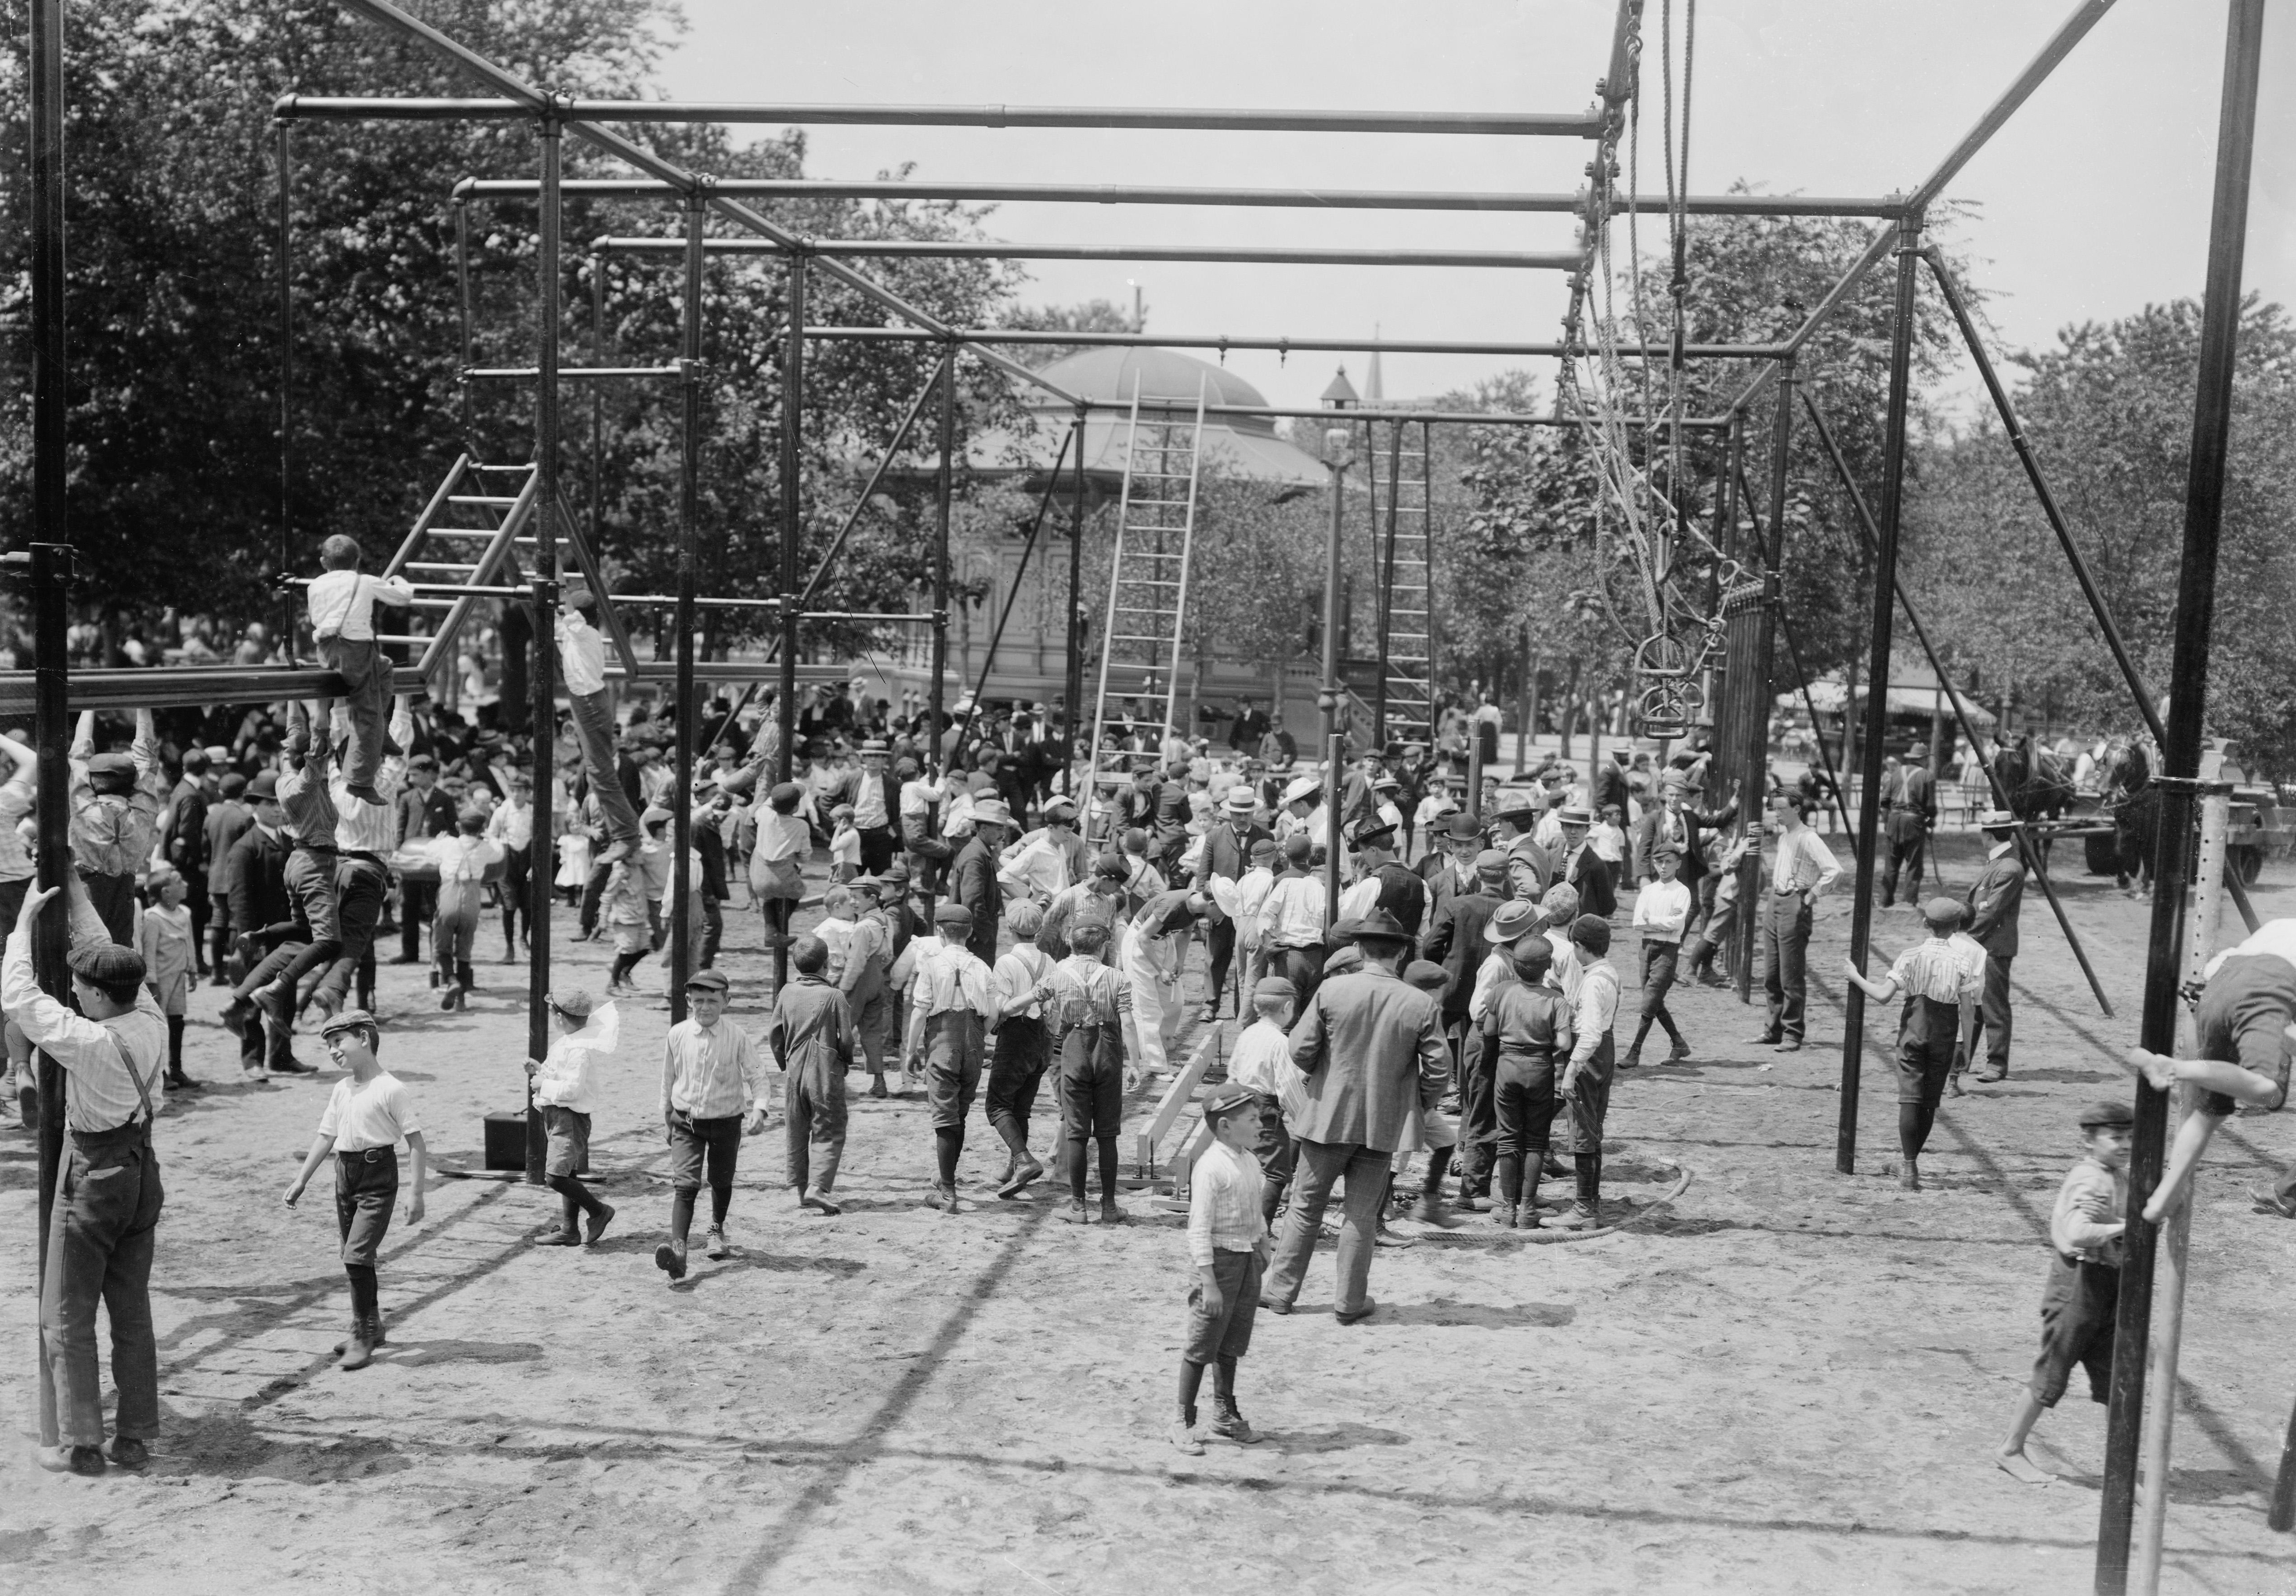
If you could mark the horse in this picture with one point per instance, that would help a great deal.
(2134, 803)
(2039, 782)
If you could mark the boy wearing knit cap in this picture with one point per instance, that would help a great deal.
(1941, 997)
(367, 1116)
(1228, 1247)
(812, 1039)
(712, 1091)
(2083, 1295)
(565, 1090)
(108, 1195)
(951, 1002)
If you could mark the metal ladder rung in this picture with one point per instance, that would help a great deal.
(481, 498)
(402, 636)
(438, 565)
(466, 531)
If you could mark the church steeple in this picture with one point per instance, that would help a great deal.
(1375, 390)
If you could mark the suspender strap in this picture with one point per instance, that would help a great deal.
(143, 1088)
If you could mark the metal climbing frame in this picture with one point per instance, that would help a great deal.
(1147, 579)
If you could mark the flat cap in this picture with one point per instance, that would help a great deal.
(955, 916)
(707, 980)
(574, 1005)
(107, 964)
(1227, 1099)
(350, 1020)
(2102, 1113)
(1276, 985)
(1942, 911)
(1426, 975)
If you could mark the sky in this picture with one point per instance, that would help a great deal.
(2093, 202)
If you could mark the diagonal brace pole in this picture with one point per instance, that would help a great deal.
(1020, 575)
(1960, 712)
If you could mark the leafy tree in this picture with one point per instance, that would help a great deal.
(1092, 316)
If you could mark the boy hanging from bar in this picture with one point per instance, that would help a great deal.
(343, 601)
(2244, 1033)
(1941, 990)
(116, 799)
(582, 668)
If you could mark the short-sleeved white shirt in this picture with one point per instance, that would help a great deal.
(342, 605)
(375, 1114)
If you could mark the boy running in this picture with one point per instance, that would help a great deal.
(712, 1082)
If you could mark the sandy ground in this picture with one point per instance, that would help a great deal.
(1787, 1380)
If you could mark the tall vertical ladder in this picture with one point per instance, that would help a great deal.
(1147, 581)
(1403, 552)
(493, 508)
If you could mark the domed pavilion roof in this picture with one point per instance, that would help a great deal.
(1167, 384)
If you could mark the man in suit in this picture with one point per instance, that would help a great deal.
(973, 876)
(1227, 853)
(1372, 1048)
(1993, 905)
(1246, 730)
(1912, 812)
(182, 834)
(1448, 868)
(1454, 940)
(1532, 867)
(1679, 824)
(228, 820)
(264, 928)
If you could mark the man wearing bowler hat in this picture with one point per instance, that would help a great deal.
(1372, 1049)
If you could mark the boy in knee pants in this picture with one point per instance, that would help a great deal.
(712, 1083)
(564, 1089)
(1089, 1005)
(1228, 1245)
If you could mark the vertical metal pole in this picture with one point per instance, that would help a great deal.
(1525, 702)
(462, 308)
(792, 520)
(1330, 697)
(286, 157)
(942, 486)
(546, 565)
(2159, 1428)
(2180, 758)
(1753, 695)
(1072, 676)
(682, 884)
(1334, 752)
(51, 569)
(1877, 688)
(597, 471)
(543, 686)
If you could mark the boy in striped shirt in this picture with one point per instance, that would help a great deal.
(1941, 997)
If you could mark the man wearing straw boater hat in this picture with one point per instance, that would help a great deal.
(1226, 855)
(1994, 900)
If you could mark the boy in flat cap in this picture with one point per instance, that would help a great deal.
(712, 1090)
(866, 979)
(565, 1090)
(1228, 1247)
(1661, 913)
(108, 1194)
(369, 1112)
(2083, 1294)
(812, 1039)
(1941, 995)
(1023, 1046)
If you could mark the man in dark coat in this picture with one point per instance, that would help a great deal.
(1993, 904)
(1912, 813)
(263, 927)
(1372, 1048)
(1676, 822)
(228, 819)
(973, 876)
(1249, 725)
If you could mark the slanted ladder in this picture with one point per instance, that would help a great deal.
(494, 508)
(1147, 583)
(1403, 548)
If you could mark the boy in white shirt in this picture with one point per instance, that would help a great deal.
(844, 845)
(368, 1114)
(169, 945)
(463, 860)
(1661, 910)
(565, 1090)
(1262, 1061)
(343, 601)
(1228, 1247)
(582, 670)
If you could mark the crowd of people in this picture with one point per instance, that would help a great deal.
(982, 930)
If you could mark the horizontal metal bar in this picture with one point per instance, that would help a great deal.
(1461, 417)
(1500, 124)
(566, 373)
(1217, 340)
(167, 687)
(1115, 194)
(878, 248)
